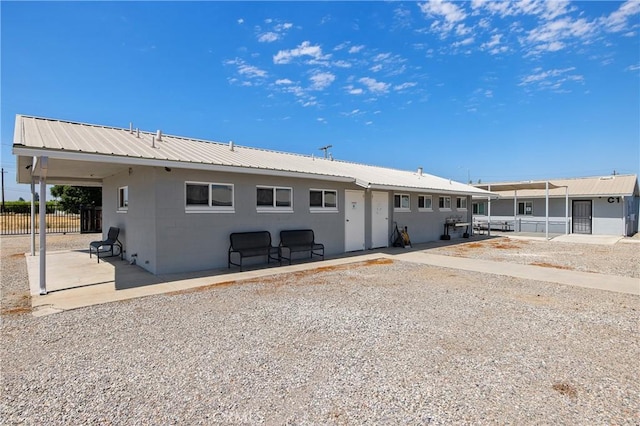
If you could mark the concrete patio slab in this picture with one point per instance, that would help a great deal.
(75, 281)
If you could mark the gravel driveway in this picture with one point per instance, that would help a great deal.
(376, 342)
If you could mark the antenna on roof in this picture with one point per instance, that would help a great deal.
(325, 148)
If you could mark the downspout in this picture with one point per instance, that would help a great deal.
(546, 203)
(43, 225)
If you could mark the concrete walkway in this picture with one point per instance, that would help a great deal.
(74, 281)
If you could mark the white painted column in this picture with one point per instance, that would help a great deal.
(546, 208)
(43, 236)
(33, 218)
(489, 212)
(515, 209)
(566, 210)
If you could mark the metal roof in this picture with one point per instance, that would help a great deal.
(613, 185)
(86, 153)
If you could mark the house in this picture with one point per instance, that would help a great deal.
(600, 205)
(177, 199)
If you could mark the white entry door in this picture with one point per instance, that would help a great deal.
(354, 220)
(379, 219)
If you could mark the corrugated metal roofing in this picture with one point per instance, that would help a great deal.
(613, 185)
(60, 139)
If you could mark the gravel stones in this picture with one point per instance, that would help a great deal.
(373, 342)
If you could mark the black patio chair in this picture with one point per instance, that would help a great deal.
(107, 245)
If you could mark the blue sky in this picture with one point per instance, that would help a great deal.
(487, 90)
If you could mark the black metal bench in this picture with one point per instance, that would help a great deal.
(251, 244)
(300, 240)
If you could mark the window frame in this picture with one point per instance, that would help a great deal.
(442, 202)
(209, 207)
(275, 208)
(424, 198)
(524, 208)
(459, 202)
(477, 206)
(401, 196)
(324, 208)
(123, 199)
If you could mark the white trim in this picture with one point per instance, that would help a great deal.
(199, 208)
(323, 208)
(401, 209)
(141, 161)
(123, 208)
(444, 204)
(274, 208)
(425, 209)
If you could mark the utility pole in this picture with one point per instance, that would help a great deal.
(3, 172)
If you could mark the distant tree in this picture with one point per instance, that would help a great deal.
(20, 199)
(72, 197)
(479, 181)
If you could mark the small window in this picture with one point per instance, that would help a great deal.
(461, 203)
(123, 198)
(271, 198)
(208, 197)
(424, 202)
(444, 202)
(323, 200)
(525, 208)
(479, 209)
(401, 202)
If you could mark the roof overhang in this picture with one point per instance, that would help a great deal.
(87, 169)
(517, 186)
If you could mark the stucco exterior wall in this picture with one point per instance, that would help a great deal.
(166, 238)
(138, 223)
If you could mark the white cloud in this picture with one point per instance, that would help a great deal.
(268, 37)
(284, 81)
(374, 86)
(617, 20)
(447, 10)
(251, 71)
(354, 90)
(342, 64)
(635, 67)
(467, 41)
(381, 57)
(304, 49)
(553, 79)
(240, 21)
(356, 49)
(404, 86)
(321, 80)
(376, 68)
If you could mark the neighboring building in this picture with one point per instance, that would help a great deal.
(601, 205)
(177, 199)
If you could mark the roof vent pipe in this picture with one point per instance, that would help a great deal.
(153, 142)
(130, 128)
(137, 133)
(230, 145)
(419, 171)
(159, 135)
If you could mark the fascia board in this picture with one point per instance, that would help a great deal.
(139, 161)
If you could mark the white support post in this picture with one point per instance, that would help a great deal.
(546, 202)
(43, 236)
(489, 212)
(33, 218)
(515, 209)
(566, 210)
